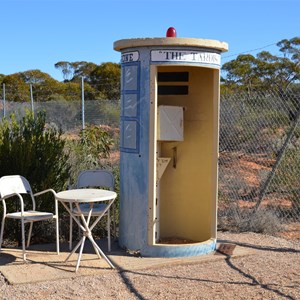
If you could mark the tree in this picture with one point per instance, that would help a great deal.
(71, 90)
(34, 76)
(242, 71)
(43, 85)
(74, 71)
(276, 71)
(101, 81)
(67, 69)
(106, 79)
(290, 48)
(1, 77)
(266, 70)
(16, 89)
(291, 54)
(83, 69)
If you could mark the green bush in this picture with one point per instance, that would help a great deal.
(36, 151)
(93, 145)
(33, 150)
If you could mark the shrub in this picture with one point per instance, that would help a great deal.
(36, 151)
(264, 221)
(33, 150)
(94, 144)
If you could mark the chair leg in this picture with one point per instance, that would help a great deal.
(23, 239)
(71, 229)
(29, 234)
(2, 230)
(71, 233)
(114, 221)
(108, 231)
(57, 235)
(57, 226)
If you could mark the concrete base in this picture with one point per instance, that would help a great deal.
(183, 250)
(45, 265)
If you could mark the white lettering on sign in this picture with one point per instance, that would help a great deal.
(129, 57)
(186, 56)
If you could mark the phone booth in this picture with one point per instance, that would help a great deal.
(169, 144)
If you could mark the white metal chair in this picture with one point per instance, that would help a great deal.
(14, 186)
(94, 179)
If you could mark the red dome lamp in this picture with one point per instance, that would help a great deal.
(171, 32)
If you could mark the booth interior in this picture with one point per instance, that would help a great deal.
(185, 128)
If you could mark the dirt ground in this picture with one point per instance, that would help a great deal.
(271, 271)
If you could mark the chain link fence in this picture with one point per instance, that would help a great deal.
(68, 115)
(259, 161)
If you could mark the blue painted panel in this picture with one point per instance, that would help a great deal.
(130, 108)
(130, 105)
(134, 163)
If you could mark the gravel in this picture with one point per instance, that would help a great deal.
(271, 272)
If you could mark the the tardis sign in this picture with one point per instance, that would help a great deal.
(186, 56)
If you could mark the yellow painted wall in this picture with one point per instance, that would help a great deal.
(188, 192)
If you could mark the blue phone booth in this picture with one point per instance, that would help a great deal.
(169, 144)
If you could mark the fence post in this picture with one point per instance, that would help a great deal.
(82, 101)
(4, 104)
(31, 99)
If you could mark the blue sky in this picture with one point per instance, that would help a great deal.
(35, 34)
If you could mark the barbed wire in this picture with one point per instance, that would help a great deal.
(249, 51)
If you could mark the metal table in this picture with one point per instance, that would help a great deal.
(84, 196)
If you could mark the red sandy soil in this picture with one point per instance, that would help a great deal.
(250, 168)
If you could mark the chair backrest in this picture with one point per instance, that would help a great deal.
(14, 184)
(96, 178)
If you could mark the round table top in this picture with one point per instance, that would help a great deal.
(85, 195)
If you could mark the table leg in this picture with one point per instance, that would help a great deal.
(86, 233)
(86, 222)
(100, 251)
(97, 252)
(80, 253)
(74, 249)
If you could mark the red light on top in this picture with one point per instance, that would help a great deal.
(171, 32)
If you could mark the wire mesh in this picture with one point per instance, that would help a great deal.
(259, 155)
(259, 160)
(67, 115)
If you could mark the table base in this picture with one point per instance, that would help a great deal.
(97, 249)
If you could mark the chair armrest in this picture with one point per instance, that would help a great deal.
(45, 191)
(55, 200)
